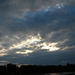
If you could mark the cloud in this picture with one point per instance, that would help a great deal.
(43, 58)
(17, 8)
(33, 26)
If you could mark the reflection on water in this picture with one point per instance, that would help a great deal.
(67, 73)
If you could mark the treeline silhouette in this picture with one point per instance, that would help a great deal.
(13, 68)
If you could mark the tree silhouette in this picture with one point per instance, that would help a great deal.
(14, 69)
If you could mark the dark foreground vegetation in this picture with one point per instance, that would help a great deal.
(25, 69)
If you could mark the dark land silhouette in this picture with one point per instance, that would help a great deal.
(13, 69)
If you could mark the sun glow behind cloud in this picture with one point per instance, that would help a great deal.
(26, 43)
(3, 52)
(33, 40)
(25, 52)
(29, 45)
(50, 46)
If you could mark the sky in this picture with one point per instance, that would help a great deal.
(40, 32)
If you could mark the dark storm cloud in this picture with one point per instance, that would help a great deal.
(48, 58)
(53, 58)
(54, 20)
(49, 21)
(18, 7)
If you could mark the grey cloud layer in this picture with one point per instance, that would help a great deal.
(21, 17)
(48, 58)
(18, 7)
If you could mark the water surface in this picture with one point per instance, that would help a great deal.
(66, 73)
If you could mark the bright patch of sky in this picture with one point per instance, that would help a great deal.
(32, 42)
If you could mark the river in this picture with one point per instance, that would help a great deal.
(64, 73)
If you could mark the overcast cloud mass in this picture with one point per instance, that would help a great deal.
(37, 31)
